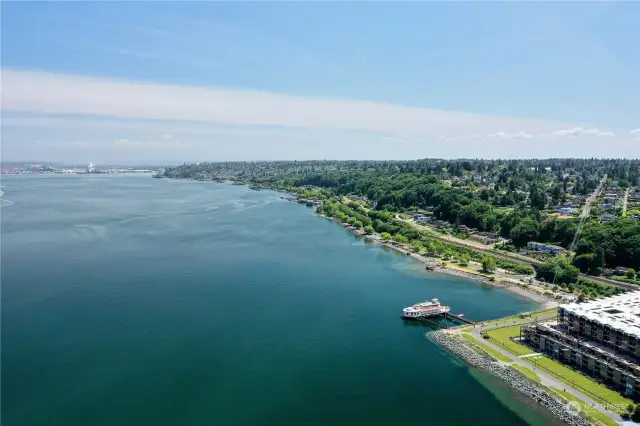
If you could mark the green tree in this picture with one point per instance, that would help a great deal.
(629, 412)
(636, 414)
(558, 269)
(464, 260)
(386, 236)
(488, 264)
(538, 198)
(369, 229)
(586, 262)
(526, 230)
(400, 239)
(429, 247)
(631, 273)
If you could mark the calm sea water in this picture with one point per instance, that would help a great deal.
(128, 300)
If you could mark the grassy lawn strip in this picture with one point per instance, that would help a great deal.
(502, 335)
(591, 413)
(527, 372)
(487, 349)
(517, 317)
(570, 376)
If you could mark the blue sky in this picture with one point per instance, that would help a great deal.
(179, 81)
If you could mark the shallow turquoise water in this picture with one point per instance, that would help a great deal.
(128, 300)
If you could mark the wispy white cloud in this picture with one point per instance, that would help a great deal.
(579, 131)
(84, 117)
(101, 123)
(28, 91)
(635, 132)
(505, 135)
(562, 133)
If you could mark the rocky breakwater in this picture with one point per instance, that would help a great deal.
(560, 409)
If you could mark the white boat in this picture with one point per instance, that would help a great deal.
(425, 309)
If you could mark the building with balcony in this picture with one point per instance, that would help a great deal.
(613, 322)
(600, 338)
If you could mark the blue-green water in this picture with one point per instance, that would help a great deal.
(135, 301)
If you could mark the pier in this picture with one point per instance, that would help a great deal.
(446, 315)
(458, 317)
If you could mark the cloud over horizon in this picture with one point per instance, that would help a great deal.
(41, 92)
(110, 114)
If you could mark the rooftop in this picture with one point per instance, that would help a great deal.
(621, 312)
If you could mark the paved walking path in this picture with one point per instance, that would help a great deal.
(545, 378)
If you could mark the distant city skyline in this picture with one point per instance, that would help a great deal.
(169, 82)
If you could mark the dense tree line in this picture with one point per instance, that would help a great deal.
(608, 245)
(505, 196)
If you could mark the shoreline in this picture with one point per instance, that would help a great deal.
(544, 301)
(537, 393)
(436, 265)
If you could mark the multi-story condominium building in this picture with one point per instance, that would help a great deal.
(613, 322)
(600, 338)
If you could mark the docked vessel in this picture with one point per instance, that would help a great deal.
(425, 309)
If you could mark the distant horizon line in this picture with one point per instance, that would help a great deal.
(179, 163)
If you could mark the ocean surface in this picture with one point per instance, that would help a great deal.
(128, 300)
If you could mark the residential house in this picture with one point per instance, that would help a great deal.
(567, 210)
(606, 206)
(621, 270)
(492, 235)
(545, 248)
(443, 223)
(607, 217)
(423, 220)
(485, 237)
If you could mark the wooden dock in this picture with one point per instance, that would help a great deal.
(447, 315)
(458, 317)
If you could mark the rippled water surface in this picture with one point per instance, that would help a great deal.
(128, 300)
